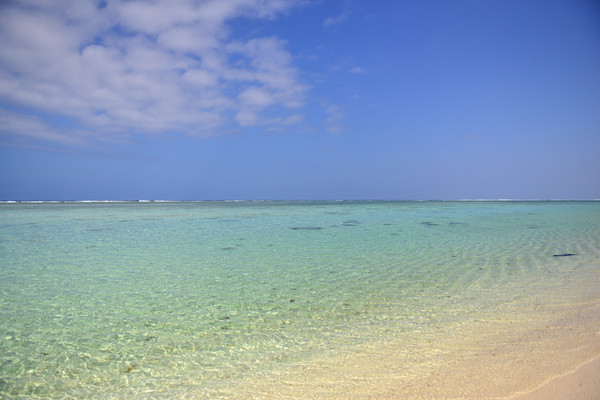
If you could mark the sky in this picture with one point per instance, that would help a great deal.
(299, 99)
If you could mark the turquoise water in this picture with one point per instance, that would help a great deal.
(204, 299)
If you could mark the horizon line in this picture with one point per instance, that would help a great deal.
(290, 200)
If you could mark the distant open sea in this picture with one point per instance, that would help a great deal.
(171, 300)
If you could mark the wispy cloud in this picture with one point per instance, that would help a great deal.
(358, 70)
(33, 127)
(340, 18)
(334, 119)
(119, 67)
(337, 19)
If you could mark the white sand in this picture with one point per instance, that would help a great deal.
(550, 358)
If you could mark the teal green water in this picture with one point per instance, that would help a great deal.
(192, 300)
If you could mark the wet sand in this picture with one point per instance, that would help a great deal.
(557, 360)
(554, 357)
(581, 384)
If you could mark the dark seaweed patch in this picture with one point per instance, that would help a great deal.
(307, 228)
(227, 248)
(428, 223)
(351, 222)
(565, 255)
(130, 368)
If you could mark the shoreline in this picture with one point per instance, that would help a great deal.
(555, 357)
(559, 360)
(582, 383)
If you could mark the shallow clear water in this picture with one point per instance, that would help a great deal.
(168, 300)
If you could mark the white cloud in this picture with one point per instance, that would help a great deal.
(358, 70)
(188, 39)
(125, 67)
(247, 118)
(201, 78)
(255, 97)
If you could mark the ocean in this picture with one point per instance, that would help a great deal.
(307, 299)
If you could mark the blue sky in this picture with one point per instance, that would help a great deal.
(299, 99)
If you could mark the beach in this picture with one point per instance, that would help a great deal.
(581, 384)
(558, 359)
(299, 200)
